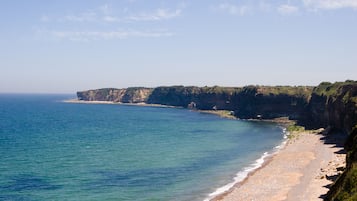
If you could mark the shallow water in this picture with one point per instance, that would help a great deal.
(52, 150)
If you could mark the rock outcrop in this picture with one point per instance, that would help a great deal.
(333, 106)
(203, 98)
(129, 95)
(271, 102)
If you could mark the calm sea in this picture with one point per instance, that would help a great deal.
(50, 150)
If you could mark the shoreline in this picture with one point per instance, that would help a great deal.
(302, 169)
(243, 175)
(248, 171)
(221, 196)
(221, 113)
(117, 103)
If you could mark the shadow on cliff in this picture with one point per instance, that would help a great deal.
(336, 139)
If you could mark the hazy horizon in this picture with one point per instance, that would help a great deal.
(65, 46)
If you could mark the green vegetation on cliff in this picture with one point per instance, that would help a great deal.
(345, 188)
(329, 89)
(300, 91)
(334, 105)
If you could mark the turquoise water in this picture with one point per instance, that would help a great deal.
(52, 150)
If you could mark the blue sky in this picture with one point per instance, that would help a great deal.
(64, 46)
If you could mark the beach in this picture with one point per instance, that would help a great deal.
(302, 170)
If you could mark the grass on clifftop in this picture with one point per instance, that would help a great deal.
(295, 128)
(294, 131)
(329, 89)
(222, 113)
(349, 191)
(299, 91)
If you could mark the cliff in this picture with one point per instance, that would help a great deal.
(335, 106)
(271, 102)
(332, 105)
(203, 98)
(129, 95)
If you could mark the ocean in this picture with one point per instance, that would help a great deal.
(52, 150)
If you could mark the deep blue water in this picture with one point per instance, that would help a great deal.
(50, 150)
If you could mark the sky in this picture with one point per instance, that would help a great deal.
(64, 46)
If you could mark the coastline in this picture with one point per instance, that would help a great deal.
(118, 103)
(302, 169)
(221, 113)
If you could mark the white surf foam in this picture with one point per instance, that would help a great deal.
(240, 176)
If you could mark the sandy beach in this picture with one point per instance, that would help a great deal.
(302, 170)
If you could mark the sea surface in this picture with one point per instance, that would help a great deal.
(51, 150)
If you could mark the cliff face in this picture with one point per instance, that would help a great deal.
(129, 95)
(247, 102)
(271, 102)
(327, 105)
(332, 105)
(107, 94)
(203, 98)
(335, 106)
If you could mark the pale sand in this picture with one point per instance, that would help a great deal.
(302, 170)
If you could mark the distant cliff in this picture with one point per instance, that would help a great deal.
(271, 102)
(203, 98)
(330, 105)
(129, 95)
(247, 102)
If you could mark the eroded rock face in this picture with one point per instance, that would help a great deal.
(106, 94)
(204, 98)
(271, 102)
(136, 95)
(129, 95)
(247, 102)
(333, 105)
(327, 105)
